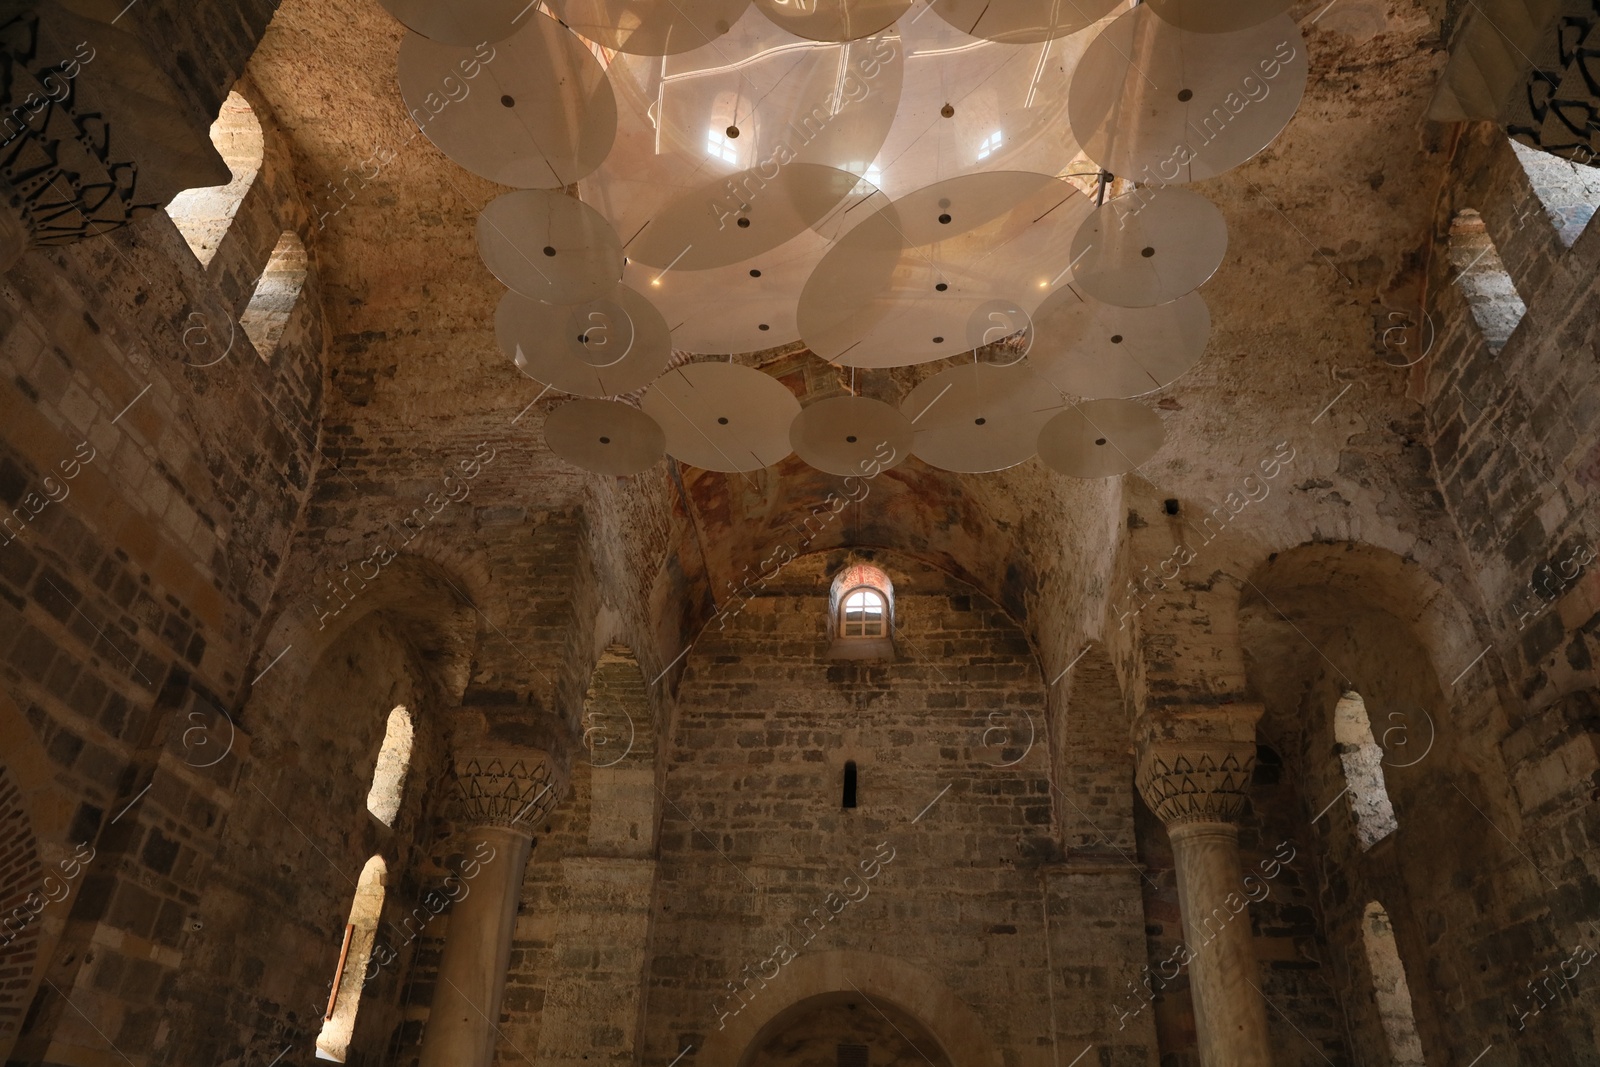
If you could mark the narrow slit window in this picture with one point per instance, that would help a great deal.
(1482, 277)
(1390, 989)
(394, 759)
(850, 784)
(276, 296)
(1361, 759)
(866, 614)
(339, 1021)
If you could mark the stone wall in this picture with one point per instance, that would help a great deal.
(24, 898)
(754, 837)
(1517, 433)
(1518, 455)
(147, 525)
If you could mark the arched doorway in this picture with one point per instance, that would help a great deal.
(873, 982)
(845, 1030)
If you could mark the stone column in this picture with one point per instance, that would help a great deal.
(505, 796)
(1193, 773)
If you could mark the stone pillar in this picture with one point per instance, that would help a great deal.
(1193, 773)
(505, 796)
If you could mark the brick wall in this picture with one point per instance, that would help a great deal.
(22, 900)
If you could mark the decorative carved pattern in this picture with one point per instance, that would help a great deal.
(1196, 782)
(55, 154)
(510, 792)
(1557, 105)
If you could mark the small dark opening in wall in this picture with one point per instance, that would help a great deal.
(850, 784)
(853, 1056)
(1172, 507)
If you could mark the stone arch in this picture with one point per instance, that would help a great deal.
(1318, 582)
(203, 216)
(1324, 619)
(848, 1028)
(955, 1026)
(436, 606)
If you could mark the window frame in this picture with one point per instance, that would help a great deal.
(883, 622)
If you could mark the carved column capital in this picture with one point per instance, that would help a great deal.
(1196, 768)
(514, 790)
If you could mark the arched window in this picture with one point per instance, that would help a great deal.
(1482, 277)
(204, 215)
(394, 759)
(1362, 761)
(1390, 990)
(864, 613)
(861, 613)
(339, 1022)
(276, 295)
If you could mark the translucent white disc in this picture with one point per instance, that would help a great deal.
(467, 22)
(1210, 16)
(549, 246)
(604, 436)
(743, 110)
(532, 111)
(728, 221)
(1101, 438)
(651, 27)
(852, 435)
(602, 348)
(834, 20)
(906, 285)
(746, 307)
(977, 417)
(723, 416)
(1022, 21)
(1157, 104)
(1149, 247)
(1096, 350)
(971, 105)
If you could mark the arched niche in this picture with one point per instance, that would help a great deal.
(1323, 620)
(845, 1028)
(816, 979)
(737, 530)
(433, 607)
